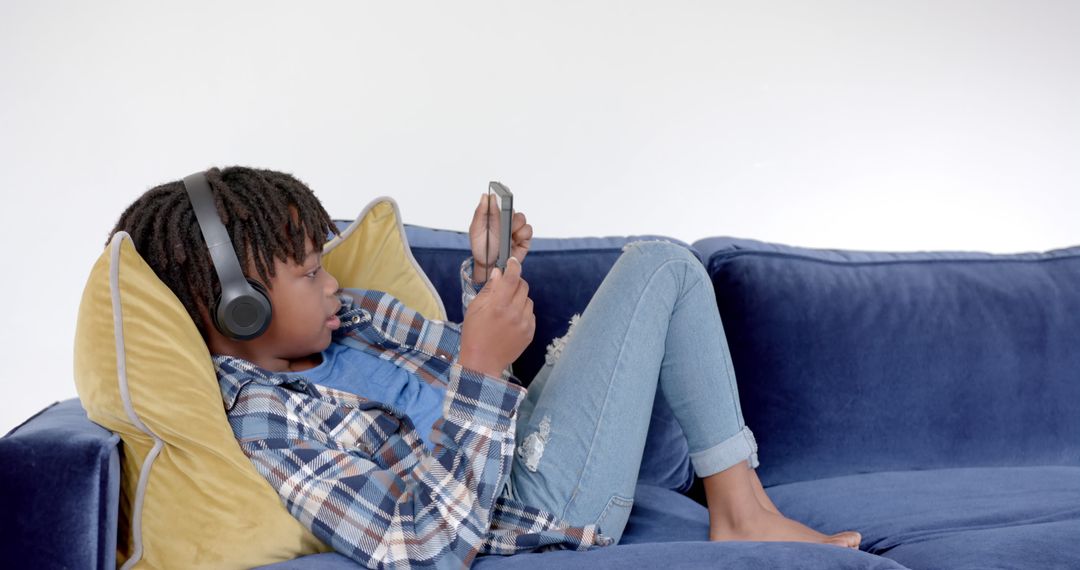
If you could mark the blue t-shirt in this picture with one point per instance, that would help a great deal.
(371, 377)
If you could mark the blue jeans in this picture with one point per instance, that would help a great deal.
(652, 324)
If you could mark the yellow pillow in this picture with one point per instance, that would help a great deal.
(373, 253)
(189, 497)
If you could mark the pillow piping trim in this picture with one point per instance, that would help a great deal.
(338, 239)
(125, 395)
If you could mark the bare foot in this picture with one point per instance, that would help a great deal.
(765, 525)
(737, 511)
(759, 492)
(847, 538)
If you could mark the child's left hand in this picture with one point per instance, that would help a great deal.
(485, 244)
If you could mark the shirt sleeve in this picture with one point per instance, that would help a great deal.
(434, 514)
(469, 289)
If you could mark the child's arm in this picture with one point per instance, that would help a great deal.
(434, 513)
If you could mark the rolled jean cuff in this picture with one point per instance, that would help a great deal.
(739, 447)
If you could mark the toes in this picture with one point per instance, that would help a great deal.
(838, 541)
(849, 538)
(853, 538)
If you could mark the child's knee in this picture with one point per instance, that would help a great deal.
(661, 248)
(661, 251)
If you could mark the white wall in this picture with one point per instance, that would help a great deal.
(854, 124)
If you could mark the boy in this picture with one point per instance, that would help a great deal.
(391, 436)
(404, 459)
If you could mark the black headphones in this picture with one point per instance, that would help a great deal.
(243, 310)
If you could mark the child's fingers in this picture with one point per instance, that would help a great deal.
(523, 234)
(521, 295)
(508, 281)
(517, 221)
(481, 209)
(512, 274)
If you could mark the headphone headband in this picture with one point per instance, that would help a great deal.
(213, 231)
(243, 309)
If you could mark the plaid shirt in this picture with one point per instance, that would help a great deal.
(356, 472)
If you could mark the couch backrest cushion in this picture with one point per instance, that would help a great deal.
(563, 274)
(189, 496)
(852, 362)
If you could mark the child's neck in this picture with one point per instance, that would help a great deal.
(305, 363)
(218, 344)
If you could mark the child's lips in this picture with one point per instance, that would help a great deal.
(333, 322)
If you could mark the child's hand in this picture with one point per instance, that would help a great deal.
(484, 237)
(499, 323)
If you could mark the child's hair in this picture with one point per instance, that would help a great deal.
(268, 214)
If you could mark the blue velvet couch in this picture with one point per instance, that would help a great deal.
(929, 400)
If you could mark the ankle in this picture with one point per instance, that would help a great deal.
(734, 480)
(736, 519)
(731, 498)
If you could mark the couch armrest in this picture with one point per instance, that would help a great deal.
(59, 487)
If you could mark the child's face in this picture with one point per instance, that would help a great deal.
(304, 301)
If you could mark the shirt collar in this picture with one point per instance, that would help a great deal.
(234, 373)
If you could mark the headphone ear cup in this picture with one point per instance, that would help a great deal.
(266, 311)
(215, 316)
(245, 315)
(259, 289)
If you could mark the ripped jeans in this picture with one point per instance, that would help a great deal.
(652, 324)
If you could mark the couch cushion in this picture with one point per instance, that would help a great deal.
(58, 470)
(373, 252)
(992, 517)
(189, 496)
(851, 362)
(665, 530)
(688, 555)
(563, 274)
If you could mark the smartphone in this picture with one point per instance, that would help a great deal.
(504, 200)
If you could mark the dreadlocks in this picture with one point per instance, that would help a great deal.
(268, 215)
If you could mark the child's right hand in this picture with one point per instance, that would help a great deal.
(499, 323)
